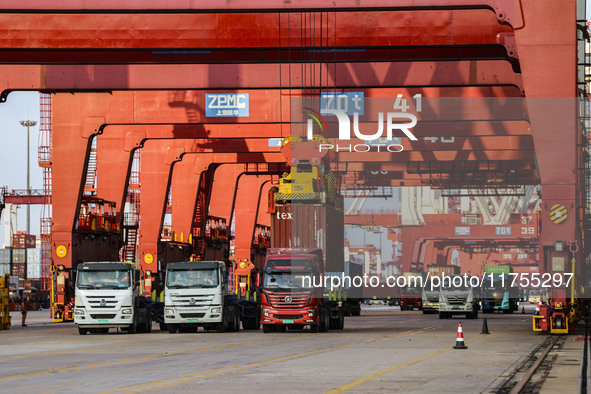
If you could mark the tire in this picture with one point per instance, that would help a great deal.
(339, 323)
(163, 326)
(247, 323)
(132, 329)
(442, 315)
(172, 328)
(104, 330)
(314, 328)
(324, 320)
(236, 320)
(257, 321)
(220, 327)
(267, 328)
(82, 330)
(149, 326)
(356, 311)
(281, 328)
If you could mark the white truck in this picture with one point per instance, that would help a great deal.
(196, 295)
(457, 300)
(107, 296)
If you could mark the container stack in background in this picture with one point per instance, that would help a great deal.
(22, 261)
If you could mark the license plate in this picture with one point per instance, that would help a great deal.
(287, 321)
(455, 307)
(192, 320)
(103, 322)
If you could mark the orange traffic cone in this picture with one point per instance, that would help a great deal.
(460, 338)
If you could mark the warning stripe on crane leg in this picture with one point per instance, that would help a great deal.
(558, 214)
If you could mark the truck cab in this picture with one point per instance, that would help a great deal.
(457, 300)
(289, 296)
(107, 296)
(497, 294)
(195, 295)
(430, 297)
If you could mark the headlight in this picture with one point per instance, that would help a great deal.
(265, 312)
(168, 311)
(216, 310)
(311, 312)
(127, 311)
(78, 311)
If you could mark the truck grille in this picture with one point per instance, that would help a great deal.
(455, 300)
(288, 317)
(191, 301)
(298, 300)
(102, 301)
(189, 315)
(103, 315)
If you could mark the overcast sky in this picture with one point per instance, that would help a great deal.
(13, 152)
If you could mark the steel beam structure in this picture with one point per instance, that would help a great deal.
(65, 78)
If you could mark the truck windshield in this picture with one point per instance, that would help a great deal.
(288, 280)
(112, 279)
(186, 278)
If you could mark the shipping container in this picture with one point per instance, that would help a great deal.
(21, 241)
(5, 255)
(497, 269)
(33, 256)
(4, 269)
(19, 255)
(437, 270)
(33, 270)
(312, 226)
(19, 269)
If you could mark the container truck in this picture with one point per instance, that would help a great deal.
(197, 295)
(290, 297)
(107, 296)
(430, 296)
(411, 294)
(456, 297)
(497, 293)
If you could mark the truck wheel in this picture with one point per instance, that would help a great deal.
(220, 327)
(339, 323)
(324, 320)
(172, 328)
(236, 327)
(163, 326)
(267, 328)
(356, 311)
(314, 327)
(132, 329)
(442, 315)
(82, 330)
(257, 321)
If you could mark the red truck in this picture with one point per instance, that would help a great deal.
(306, 241)
(411, 294)
(291, 295)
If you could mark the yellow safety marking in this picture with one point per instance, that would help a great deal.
(558, 214)
(61, 251)
(148, 258)
(254, 364)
